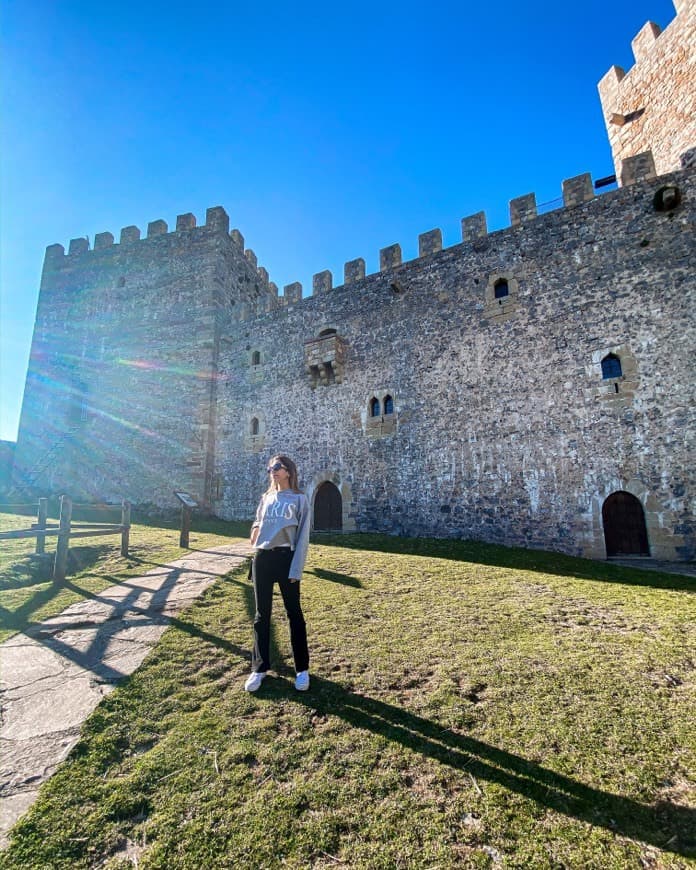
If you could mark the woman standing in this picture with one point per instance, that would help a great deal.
(280, 536)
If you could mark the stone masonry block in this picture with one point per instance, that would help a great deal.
(293, 292)
(354, 270)
(389, 258)
(103, 240)
(217, 219)
(429, 243)
(54, 254)
(78, 246)
(644, 40)
(578, 190)
(474, 226)
(130, 234)
(641, 167)
(609, 87)
(185, 222)
(522, 209)
(156, 228)
(322, 282)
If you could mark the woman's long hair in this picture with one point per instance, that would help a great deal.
(293, 479)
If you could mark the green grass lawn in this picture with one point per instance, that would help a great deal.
(27, 593)
(471, 706)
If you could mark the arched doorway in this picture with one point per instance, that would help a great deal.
(623, 519)
(328, 508)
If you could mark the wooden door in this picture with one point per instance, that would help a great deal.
(625, 533)
(328, 508)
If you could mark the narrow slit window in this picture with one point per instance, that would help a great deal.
(256, 358)
(254, 426)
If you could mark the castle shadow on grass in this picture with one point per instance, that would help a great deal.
(481, 553)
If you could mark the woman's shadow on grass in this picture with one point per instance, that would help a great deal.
(666, 825)
(335, 577)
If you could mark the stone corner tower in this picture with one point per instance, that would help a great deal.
(121, 390)
(652, 107)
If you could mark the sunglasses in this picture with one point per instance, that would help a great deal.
(275, 467)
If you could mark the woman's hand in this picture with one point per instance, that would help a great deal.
(254, 535)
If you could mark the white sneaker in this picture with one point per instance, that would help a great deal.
(254, 680)
(302, 681)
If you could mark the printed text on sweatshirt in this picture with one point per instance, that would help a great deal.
(282, 519)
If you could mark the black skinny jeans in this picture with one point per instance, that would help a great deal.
(269, 567)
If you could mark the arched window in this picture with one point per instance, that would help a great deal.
(374, 407)
(501, 288)
(254, 426)
(388, 405)
(256, 358)
(325, 332)
(611, 366)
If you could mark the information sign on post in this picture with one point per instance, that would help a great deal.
(187, 505)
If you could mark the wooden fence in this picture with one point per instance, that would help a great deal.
(67, 528)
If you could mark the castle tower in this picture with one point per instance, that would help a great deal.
(652, 107)
(121, 390)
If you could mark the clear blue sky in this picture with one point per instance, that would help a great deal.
(327, 131)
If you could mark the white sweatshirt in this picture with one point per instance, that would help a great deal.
(282, 519)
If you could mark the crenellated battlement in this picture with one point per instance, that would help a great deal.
(576, 191)
(217, 221)
(652, 106)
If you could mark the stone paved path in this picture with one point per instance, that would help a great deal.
(55, 674)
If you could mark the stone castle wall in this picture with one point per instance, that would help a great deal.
(460, 394)
(503, 427)
(652, 107)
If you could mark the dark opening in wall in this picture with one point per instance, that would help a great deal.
(501, 288)
(611, 367)
(625, 531)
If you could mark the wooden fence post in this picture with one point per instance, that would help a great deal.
(185, 526)
(61, 562)
(41, 524)
(125, 522)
